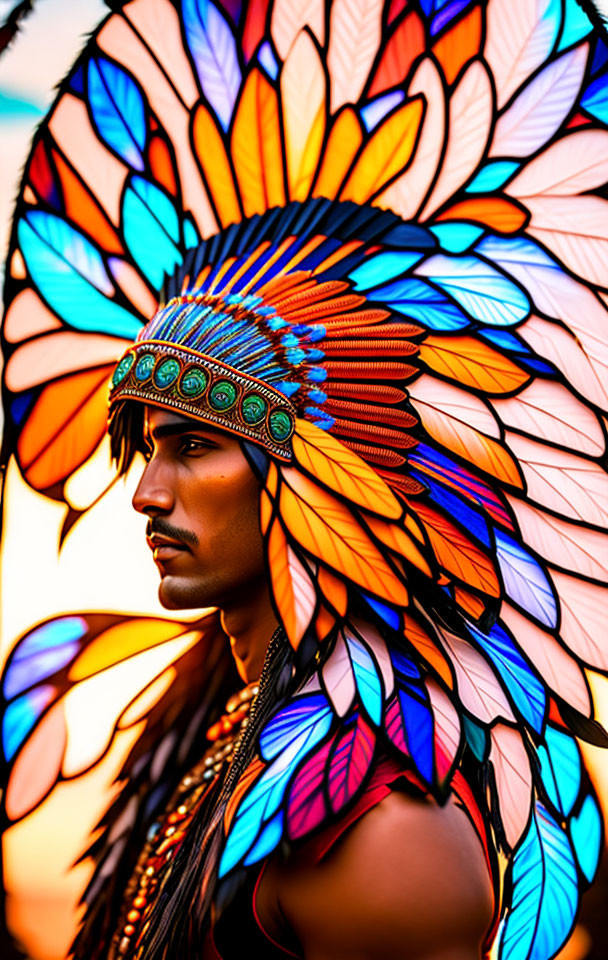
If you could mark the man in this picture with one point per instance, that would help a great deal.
(407, 861)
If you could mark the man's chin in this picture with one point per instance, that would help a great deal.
(180, 593)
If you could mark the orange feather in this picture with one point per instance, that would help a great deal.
(292, 588)
(456, 553)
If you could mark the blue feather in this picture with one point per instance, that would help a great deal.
(21, 715)
(118, 111)
(456, 237)
(372, 113)
(418, 724)
(586, 832)
(576, 25)
(70, 274)
(545, 893)
(525, 581)
(214, 53)
(289, 737)
(456, 507)
(382, 268)
(527, 691)
(151, 229)
(485, 294)
(420, 301)
(494, 175)
(366, 677)
(560, 768)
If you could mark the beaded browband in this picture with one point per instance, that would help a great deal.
(163, 374)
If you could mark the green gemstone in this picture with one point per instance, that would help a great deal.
(122, 369)
(193, 383)
(145, 366)
(222, 395)
(280, 425)
(253, 408)
(166, 374)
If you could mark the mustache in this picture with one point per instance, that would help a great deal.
(164, 528)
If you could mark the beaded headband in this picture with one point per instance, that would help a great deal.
(166, 375)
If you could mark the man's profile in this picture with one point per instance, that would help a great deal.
(340, 246)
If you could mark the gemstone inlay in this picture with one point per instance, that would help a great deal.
(145, 366)
(253, 408)
(222, 395)
(280, 425)
(193, 383)
(122, 369)
(166, 374)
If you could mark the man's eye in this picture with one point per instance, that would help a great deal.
(193, 445)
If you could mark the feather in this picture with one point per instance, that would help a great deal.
(479, 689)
(428, 649)
(286, 740)
(586, 830)
(575, 229)
(498, 214)
(548, 411)
(213, 49)
(350, 762)
(574, 548)
(69, 272)
(293, 590)
(338, 677)
(403, 47)
(460, 43)
(545, 892)
(345, 138)
(366, 675)
(303, 104)
(407, 193)
(306, 804)
(519, 680)
(151, 229)
(409, 726)
(447, 730)
(472, 363)
(556, 294)
(558, 670)
(256, 146)
(583, 618)
(574, 164)
(325, 528)
(541, 107)
(563, 482)
(525, 581)
(211, 155)
(64, 427)
(461, 422)
(513, 777)
(560, 768)
(377, 645)
(395, 537)
(327, 460)
(354, 37)
(385, 155)
(470, 118)
(520, 36)
(290, 17)
(456, 553)
(486, 294)
(118, 112)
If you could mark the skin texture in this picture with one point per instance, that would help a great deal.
(408, 879)
(198, 490)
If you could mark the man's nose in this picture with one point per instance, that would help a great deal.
(153, 495)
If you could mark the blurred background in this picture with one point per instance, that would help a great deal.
(42, 887)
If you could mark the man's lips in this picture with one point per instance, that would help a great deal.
(165, 548)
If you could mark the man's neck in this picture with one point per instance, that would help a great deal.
(250, 624)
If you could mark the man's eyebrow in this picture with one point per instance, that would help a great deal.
(174, 429)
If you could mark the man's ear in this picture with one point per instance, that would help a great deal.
(257, 458)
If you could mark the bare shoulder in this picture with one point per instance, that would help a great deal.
(409, 872)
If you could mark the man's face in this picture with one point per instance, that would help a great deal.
(202, 501)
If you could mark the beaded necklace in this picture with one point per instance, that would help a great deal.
(167, 833)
